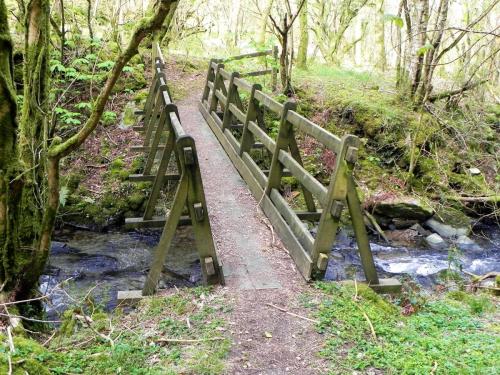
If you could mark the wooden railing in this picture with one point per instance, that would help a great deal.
(240, 130)
(159, 121)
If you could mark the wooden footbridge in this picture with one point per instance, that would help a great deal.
(240, 114)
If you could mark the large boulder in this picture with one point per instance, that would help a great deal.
(405, 207)
(449, 223)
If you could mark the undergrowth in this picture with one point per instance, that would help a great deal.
(457, 334)
(133, 343)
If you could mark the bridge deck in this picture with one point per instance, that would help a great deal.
(241, 231)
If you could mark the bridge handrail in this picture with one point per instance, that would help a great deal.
(238, 128)
(161, 122)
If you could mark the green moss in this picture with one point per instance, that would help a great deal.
(443, 331)
(29, 357)
(136, 200)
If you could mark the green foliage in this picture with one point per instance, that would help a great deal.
(77, 349)
(68, 117)
(424, 49)
(398, 21)
(443, 333)
(63, 195)
(108, 118)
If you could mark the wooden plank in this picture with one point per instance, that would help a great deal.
(282, 141)
(237, 113)
(331, 141)
(151, 177)
(269, 102)
(309, 216)
(387, 286)
(145, 148)
(300, 256)
(248, 55)
(154, 222)
(233, 141)
(254, 168)
(227, 118)
(128, 297)
(262, 136)
(243, 85)
(298, 228)
(257, 73)
(225, 74)
(220, 96)
(304, 177)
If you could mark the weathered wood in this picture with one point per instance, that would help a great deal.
(261, 135)
(282, 142)
(269, 102)
(154, 222)
(247, 139)
(248, 55)
(299, 229)
(151, 177)
(166, 238)
(257, 73)
(145, 149)
(232, 92)
(305, 179)
(331, 141)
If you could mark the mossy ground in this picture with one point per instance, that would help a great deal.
(136, 348)
(441, 147)
(456, 333)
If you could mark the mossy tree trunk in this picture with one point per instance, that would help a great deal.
(304, 38)
(29, 166)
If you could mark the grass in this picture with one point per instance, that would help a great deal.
(450, 335)
(187, 314)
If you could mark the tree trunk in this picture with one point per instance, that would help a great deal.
(304, 38)
(29, 174)
(380, 25)
(263, 23)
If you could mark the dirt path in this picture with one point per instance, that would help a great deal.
(258, 269)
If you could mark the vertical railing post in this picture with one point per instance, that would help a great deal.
(214, 100)
(332, 211)
(247, 139)
(282, 143)
(210, 78)
(231, 93)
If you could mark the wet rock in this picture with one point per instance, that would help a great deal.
(466, 243)
(403, 223)
(421, 230)
(406, 237)
(446, 230)
(436, 242)
(407, 208)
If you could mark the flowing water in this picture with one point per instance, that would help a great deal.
(101, 264)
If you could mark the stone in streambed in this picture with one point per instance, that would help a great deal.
(466, 243)
(408, 208)
(436, 242)
(446, 230)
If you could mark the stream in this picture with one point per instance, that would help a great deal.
(101, 264)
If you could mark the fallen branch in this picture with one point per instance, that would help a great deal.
(372, 329)
(292, 314)
(190, 341)
(376, 226)
(447, 94)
